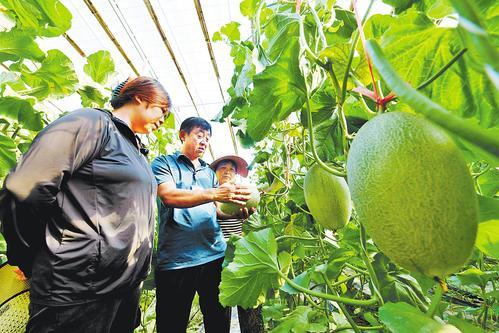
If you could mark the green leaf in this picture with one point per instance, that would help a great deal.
(231, 30)
(169, 122)
(244, 139)
(404, 318)
(489, 182)
(278, 91)
(417, 49)
(217, 36)
(303, 280)
(249, 7)
(470, 21)
(22, 112)
(296, 193)
(485, 139)
(487, 239)
(48, 18)
(245, 77)
(91, 97)
(327, 139)
(440, 9)
(252, 272)
(7, 154)
(286, 28)
(16, 45)
(402, 5)
(488, 208)
(56, 76)
(5, 78)
(343, 27)
(477, 277)
(464, 325)
(99, 66)
(303, 319)
(322, 105)
(393, 288)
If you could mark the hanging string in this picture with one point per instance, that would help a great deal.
(363, 40)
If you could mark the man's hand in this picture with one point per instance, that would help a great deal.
(237, 194)
(244, 212)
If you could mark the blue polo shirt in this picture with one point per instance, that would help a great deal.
(187, 236)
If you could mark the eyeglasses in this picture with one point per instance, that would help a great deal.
(164, 108)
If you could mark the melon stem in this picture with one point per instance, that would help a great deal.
(339, 299)
(440, 287)
(369, 266)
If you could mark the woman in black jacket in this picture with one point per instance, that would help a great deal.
(90, 187)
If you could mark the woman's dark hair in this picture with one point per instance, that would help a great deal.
(192, 122)
(146, 88)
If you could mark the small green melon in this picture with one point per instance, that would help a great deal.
(412, 190)
(232, 209)
(327, 197)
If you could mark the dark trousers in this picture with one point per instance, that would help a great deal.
(116, 314)
(175, 290)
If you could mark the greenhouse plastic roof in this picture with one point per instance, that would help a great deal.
(131, 24)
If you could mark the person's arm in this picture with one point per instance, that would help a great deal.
(171, 196)
(57, 151)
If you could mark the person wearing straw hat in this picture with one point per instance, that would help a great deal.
(226, 169)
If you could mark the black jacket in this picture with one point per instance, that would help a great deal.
(94, 192)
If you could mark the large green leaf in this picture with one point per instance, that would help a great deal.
(245, 75)
(278, 91)
(403, 318)
(252, 272)
(56, 77)
(91, 97)
(99, 66)
(417, 49)
(7, 154)
(22, 112)
(303, 319)
(48, 18)
(488, 208)
(487, 239)
(15, 45)
(482, 43)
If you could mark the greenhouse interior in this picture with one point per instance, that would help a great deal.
(249, 166)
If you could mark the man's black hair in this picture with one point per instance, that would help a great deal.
(192, 122)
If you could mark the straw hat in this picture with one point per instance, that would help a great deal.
(241, 164)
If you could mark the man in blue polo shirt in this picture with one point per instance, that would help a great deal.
(190, 243)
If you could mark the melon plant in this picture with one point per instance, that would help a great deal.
(413, 192)
(232, 209)
(327, 197)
